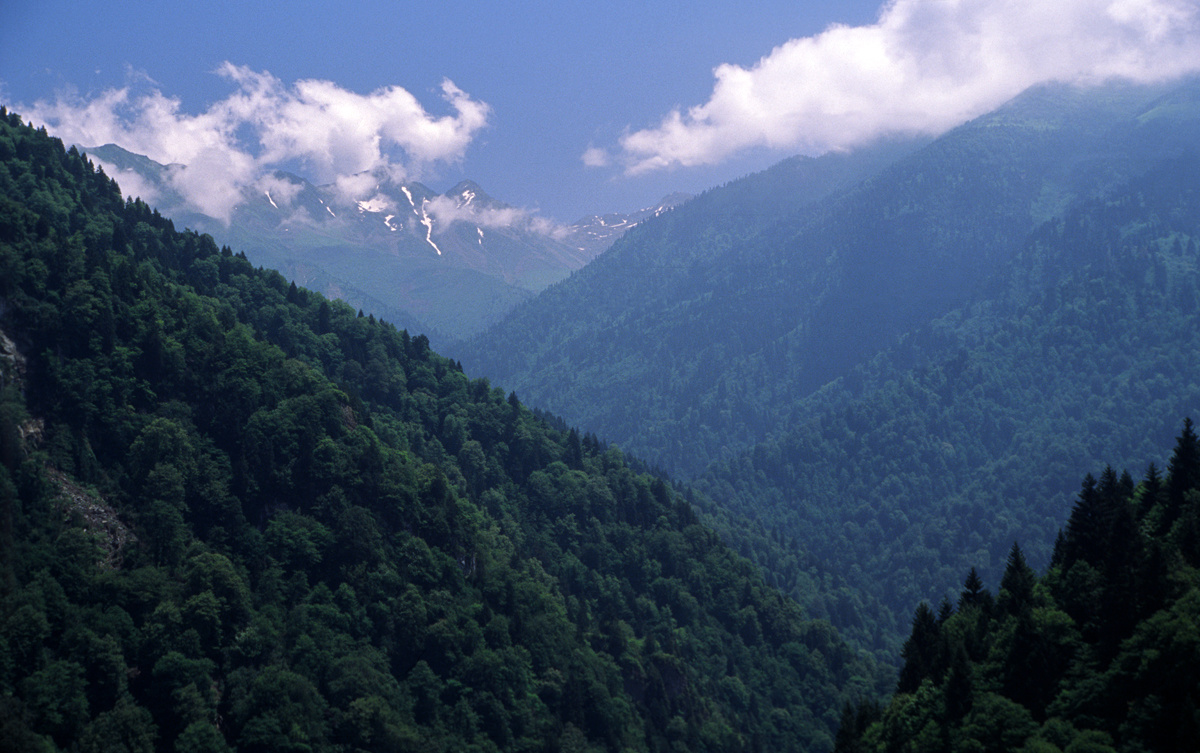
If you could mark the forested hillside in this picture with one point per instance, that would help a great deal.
(919, 464)
(1100, 654)
(235, 515)
(895, 380)
(698, 333)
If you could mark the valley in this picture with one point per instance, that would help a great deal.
(794, 464)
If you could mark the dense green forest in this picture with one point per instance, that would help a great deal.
(704, 330)
(964, 433)
(1099, 654)
(898, 374)
(235, 515)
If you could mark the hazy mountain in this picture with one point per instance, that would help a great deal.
(595, 233)
(749, 336)
(780, 281)
(446, 264)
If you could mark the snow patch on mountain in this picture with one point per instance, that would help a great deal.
(375, 205)
(428, 223)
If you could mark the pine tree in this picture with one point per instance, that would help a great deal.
(973, 592)
(959, 688)
(1082, 537)
(1016, 586)
(574, 451)
(1183, 474)
(1151, 493)
(920, 650)
(854, 722)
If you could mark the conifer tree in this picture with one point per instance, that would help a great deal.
(973, 593)
(1082, 537)
(1151, 491)
(920, 650)
(959, 688)
(1016, 586)
(1183, 473)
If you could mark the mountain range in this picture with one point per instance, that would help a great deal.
(445, 264)
(842, 348)
(236, 514)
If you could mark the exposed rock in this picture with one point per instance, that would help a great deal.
(12, 362)
(99, 518)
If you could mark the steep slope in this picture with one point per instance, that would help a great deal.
(234, 515)
(941, 451)
(698, 332)
(1039, 298)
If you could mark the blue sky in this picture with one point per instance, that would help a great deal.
(560, 108)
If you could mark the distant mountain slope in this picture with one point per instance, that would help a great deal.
(446, 264)
(879, 372)
(925, 461)
(697, 331)
(595, 233)
(235, 515)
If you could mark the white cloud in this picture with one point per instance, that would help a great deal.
(281, 190)
(596, 157)
(356, 186)
(924, 67)
(445, 210)
(235, 142)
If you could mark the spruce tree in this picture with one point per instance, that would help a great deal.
(1016, 586)
(1151, 492)
(1183, 473)
(1082, 537)
(972, 594)
(920, 650)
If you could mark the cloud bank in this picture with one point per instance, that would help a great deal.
(924, 67)
(334, 133)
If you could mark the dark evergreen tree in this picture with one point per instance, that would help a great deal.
(1151, 493)
(973, 593)
(1016, 587)
(1085, 527)
(1183, 473)
(959, 688)
(855, 720)
(921, 650)
(945, 611)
